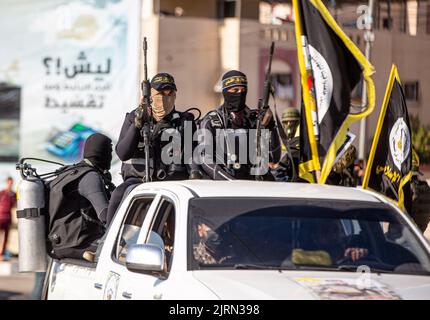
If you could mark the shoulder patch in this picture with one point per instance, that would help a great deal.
(215, 120)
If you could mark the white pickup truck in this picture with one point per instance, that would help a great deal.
(251, 240)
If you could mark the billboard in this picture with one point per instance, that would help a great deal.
(67, 69)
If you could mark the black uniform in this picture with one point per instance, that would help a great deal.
(227, 164)
(216, 122)
(130, 149)
(78, 203)
(420, 211)
(289, 164)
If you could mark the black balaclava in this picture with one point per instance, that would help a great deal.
(98, 150)
(234, 102)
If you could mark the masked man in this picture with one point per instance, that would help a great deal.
(228, 128)
(287, 168)
(78, 202)
(162, 117)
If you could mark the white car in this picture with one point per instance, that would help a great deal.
(251, 240)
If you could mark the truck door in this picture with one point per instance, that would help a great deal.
(123, 232)
(134, 285)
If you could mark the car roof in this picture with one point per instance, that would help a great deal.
(245, 188)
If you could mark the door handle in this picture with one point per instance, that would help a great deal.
(98, 285)
(127, 295)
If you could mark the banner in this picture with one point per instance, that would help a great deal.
(331, 66)
(389, 168)
(69, 69)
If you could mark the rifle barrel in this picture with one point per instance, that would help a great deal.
(263, 104)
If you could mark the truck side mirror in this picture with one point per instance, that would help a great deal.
(145, 258)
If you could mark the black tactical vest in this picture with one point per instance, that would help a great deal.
(72, 219)
(219, 122)
(135, 167)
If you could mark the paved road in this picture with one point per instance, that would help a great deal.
(16, 287)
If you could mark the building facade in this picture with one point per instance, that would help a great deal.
(198, 41)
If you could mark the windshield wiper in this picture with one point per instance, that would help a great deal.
(246, 266)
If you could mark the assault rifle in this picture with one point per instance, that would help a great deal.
(146, 126)
(263, 105)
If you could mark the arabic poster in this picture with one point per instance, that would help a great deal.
(346, 289)
(70, 68)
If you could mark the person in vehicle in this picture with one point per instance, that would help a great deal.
(328, 235)
(161, 117)
(78, 202)
(209, 248)
(234, 115)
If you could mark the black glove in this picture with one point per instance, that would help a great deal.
(138, 117)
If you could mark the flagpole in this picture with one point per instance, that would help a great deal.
(369, 37)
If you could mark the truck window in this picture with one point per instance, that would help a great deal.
(130, 228)
(164, 225)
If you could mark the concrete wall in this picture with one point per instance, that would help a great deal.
(192, 8)
(150, 29)
(254, 56)
(197, 51)
(249, 58)
(249, 9)
(230, 37)
(189, 50)
(410, 54)
(414, 16)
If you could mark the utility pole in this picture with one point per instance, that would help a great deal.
(369, 38)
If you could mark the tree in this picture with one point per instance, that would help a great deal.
(421, 139)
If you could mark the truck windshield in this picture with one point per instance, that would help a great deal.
(301, 234)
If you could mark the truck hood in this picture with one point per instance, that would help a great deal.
(315, 285)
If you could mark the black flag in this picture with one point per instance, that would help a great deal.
(331, 66)
(389, 168)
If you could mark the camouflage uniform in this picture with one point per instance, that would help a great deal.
(205, 256)
(290, 123)
(343, 170)
(202, 254)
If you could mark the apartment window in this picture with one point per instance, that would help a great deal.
(227, 9)
(283, 85)
(387, 23)
(411, 90)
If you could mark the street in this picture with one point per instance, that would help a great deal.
(16, 287)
